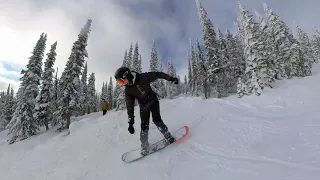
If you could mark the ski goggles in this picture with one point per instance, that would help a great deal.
(120, 81)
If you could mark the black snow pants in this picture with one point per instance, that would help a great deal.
(154, 108)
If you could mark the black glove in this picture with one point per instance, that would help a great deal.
(131, 128)
(174, 80)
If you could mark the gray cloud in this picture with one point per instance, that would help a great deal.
(117, 23)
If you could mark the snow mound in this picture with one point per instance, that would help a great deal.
(274, 136)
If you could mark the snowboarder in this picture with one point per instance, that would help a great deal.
(137, 86)
(105, 106)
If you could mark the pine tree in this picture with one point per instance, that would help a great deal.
(202, 83)
(193, 62)
(136, 64)
(43, 109)
(105, 90)
(116, 94)
(130, 57)
(224, 59)
(110, 92)
(315, 43)
(239, 43)
(162, 89)
(98, 102)
(126, 63)
(154, 67)
(22, 124)
(306, 48)
(91, 94)
(185, 84)
(119, 96)
(103, 95)
(236, 64)
(256, 76)
(6, 105)
(280, 38)
(70, 80)
(213, 57)
(140, 64)
(189, 87)
(54, 98)
(3, 121)
(84, 90)
(171, 89)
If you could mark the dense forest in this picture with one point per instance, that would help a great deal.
(262, 50)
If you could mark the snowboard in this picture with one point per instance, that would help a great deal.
(134, 155)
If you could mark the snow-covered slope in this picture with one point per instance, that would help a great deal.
(275, 136)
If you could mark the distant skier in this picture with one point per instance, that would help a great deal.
(137, 86)
(105, 107)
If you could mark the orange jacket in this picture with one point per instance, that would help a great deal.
(105, 105)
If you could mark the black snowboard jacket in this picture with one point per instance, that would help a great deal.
(141, 90)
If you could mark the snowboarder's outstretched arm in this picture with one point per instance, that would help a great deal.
(130, 107)
(130, 110)
(152, 76)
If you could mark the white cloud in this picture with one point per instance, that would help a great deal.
(5, 72)
(112, 32)
(4, 82)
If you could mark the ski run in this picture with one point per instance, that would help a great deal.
(273, 136)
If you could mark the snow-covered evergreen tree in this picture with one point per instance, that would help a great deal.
(306, 48)
(116, 94)
(54, 98)
(103, 94)
(136, 64)
(130, 57)
(202, 80)
(189, 87)
(43, 109)
(224, 59)
(140, 64)
(119, 96)
(162, 89)
(171, 88)
(84, 90)
(110, 92)
(6, 105)
(70, 80)
(105, 90)
(91, 94)
(154, 67)
(193, 61)
(185, 85)
(279, 38)
(256, 75)
(235, 65)
(98, 102)
(22, 124)
(213, 57)
(315, 44)
(3, 121)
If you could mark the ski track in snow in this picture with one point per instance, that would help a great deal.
(274, 136)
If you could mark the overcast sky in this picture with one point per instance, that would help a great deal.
(117, 23)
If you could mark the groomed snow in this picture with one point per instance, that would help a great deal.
(271, 137)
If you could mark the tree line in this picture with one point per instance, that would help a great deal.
(261, 51)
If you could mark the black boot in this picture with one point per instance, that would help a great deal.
(164, 130)
(169, 137)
